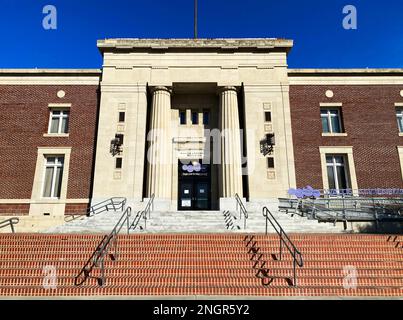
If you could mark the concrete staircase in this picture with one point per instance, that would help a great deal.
(197, 222)
(202, 265)
(100, 223)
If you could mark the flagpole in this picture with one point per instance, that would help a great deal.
(195, 19)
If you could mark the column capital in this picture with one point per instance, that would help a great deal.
(226, 88)
(161, 88)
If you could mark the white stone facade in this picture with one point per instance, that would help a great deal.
(143, 78)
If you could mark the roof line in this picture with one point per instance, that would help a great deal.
(67, 72)
(350, 72)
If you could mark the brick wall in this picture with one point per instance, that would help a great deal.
(24, 117)
(369, 119)
(76, 208)
(14, 209)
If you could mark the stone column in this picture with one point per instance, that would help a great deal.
(231, 166)
(159, 153)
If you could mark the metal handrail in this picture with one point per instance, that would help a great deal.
(284, 239)
(114, 203)
(143, 214)
(9, 222)
(242, 210)
(97, 258)
(375, 192)
(355, 209)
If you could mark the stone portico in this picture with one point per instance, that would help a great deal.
(157, 81)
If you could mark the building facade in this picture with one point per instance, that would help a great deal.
(188, 122)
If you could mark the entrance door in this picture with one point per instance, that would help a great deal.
(186, 196)
(202, 191)
(194, 190)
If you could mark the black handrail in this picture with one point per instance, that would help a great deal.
(9, 222)
(97, 258)
(242, 211)
(284, 239)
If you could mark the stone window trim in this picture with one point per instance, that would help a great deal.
(58, 163)
(399, 107)
(63, 118)
(59, 105)
(400, 152)
(39, 176)
(339, 134)
(347, 151)
(56, 135)
(329, 108)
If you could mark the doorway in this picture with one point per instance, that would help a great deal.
(194, 186)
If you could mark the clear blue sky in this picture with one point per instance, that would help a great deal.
(314, 25)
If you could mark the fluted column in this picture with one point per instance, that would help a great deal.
(159, 155)
(231, 167)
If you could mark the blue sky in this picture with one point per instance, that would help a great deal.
(314, 25)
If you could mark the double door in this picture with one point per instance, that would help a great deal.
(194, 195)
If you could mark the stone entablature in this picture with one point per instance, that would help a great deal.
(200, 44)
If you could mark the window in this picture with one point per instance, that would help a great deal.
(270, 163)
(118, 164)
(337, 172)
(331, 120)
(53, 176)
(195, 117)
(399, 117)
(59, 121)
(267, 116)
(182, 117)
(206, 117)
(122, 117)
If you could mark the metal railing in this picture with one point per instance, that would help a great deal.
(143, 214)
(346, 209)
(289, 205)
(114, 203)
(9, 222)
(242, 210)
(284, 240)
(368, 193)
(353, 209)
(97, 258)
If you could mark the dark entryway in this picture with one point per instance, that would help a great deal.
(194, 186)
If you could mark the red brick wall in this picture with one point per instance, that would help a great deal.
(76, 208)
(14, 209)
(369, 120)
(24, 117)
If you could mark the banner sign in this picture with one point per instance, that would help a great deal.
(309, 192)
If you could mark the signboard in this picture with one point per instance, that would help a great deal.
(190, 154)
(186, 203)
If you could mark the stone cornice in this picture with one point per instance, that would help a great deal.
(50, 72)
(344, 72)
(195, 44)
(50, 76)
